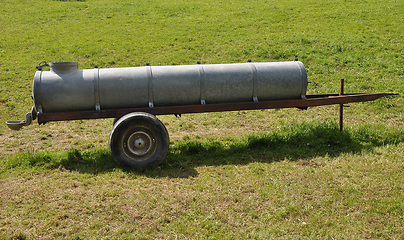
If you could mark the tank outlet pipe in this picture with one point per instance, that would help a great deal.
(17, 125)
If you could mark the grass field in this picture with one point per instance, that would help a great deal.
(263, 174)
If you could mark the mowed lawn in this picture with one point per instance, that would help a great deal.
(265, 174)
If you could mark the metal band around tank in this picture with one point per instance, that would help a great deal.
(304, 79)
(150, 84)
(97, 88)
(37, 80)
(255, 81)
(202, 82)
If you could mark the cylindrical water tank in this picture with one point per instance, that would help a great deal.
(65, 88)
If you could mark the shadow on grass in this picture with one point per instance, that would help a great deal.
(297, 142)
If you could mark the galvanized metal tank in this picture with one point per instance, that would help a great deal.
(66, 88)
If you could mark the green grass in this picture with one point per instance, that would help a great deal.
(294, 143)
(249, 174)
(303, 181)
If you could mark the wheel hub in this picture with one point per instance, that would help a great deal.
(140, 143)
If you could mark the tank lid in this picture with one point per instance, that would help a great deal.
(62, 67)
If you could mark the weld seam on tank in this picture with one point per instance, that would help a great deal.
(97, 88)
(150, 84)
(202, 82)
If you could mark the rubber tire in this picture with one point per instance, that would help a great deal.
(115, 120)
(141, 129)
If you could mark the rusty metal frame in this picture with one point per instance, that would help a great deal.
(310, 101)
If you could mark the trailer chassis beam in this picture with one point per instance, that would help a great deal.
(310, 101)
